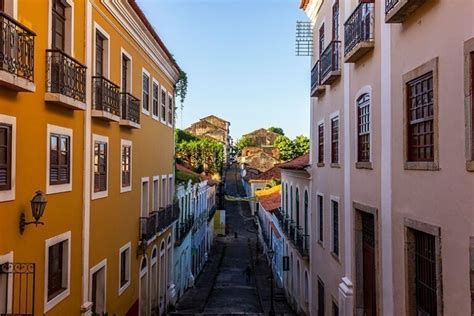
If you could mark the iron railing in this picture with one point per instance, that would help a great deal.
(22, 291)
(389, 5)
(158, 221)
(359, 27)
(301, 242)
(106, 95)
(315, 76)
(130, 108)
(65, 75)
(330, 59)
(17, 48)
(183, 229)
(148, 226)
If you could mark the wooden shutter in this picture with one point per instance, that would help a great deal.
(55, 269)
(2, 5)
(99, 54)
(58, 25)
(59, 159)
(100, 167)
(5, 156)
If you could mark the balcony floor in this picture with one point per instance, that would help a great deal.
(62, 100)
(358, 51)
(104, 115)
(16, 83)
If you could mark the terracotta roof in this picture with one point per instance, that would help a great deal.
(304, 4)
(298, 163)
(270, 202)
(150, 28)
(272, 173)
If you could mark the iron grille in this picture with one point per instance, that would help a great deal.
(304, 39)
(321, 143)
(425, 277)
(335, 227)
(363, 128)
(335, 140)
(359, 27)
(20, 288)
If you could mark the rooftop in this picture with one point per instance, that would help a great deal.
(299, 163)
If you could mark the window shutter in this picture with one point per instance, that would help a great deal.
(5, 156)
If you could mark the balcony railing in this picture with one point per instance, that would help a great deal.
(158, 221)
(397, 11)
(148, 226)
(301, 242)
(183, 229)
(130, 108)
(359, 32)
(330, 62)
(66, 76)
(316, 87)
(105, 98)
(166, 216)
(17, 49)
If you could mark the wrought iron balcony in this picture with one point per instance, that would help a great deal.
(397, 11)
(130, 109)
(65, 80)
(148, 226)
(316, 87)
(330, 63)
(359, 32)
(105, 99)
(167, 216)
(183, 229)
(301, 243)
(17, 49)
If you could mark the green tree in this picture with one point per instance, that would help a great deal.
(243, 142)
(285, 147)
(277, 130)
(301, 145)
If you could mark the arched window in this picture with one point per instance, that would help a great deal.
(143, 266)
(291, 202)
(153, 254)
(297, 208)
(306, 206)
(363, 128)
(286, 199)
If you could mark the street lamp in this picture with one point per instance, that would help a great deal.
(270, 256)
(38, 204)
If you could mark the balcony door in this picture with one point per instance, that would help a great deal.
(368, 261)
(58, 25)
(2, 5)
(125, 70)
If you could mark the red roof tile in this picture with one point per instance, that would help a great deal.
(272, 173)
(298, 163)
(270, 202)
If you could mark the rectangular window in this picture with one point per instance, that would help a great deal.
(170, 190)
(420, 118)
(2, 5)
(170, 110)
(335, 21)
(58, 25)
(56, 265)
(126, 165)
(163, 192)
(125, 73)
(320, 298)
(320, 218)
(124, 266)
(321, 40)
(163, 105)
(145, 198)
(146, 93)
(59, 159)
(321, 143)
(98, 285)
(100, 166)
(155, 109)
(335, 140)
(335, 227)
(5, 156)
(363, 128)
(99, 54)
(156, 195)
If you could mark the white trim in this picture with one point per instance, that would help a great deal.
(101, 30)
(155, 178)
(170, 188)
(8, 258)
(143, 212)
(320, 122)
(364, 90)
(331, 237)
(141, 273)
(127, 246)
(100, 194)
(150, 80)
(94, 269)
(69, 27)
(126, 142)
(163, 194)
(58, 188)
(9, 195)
(170, 96)
(318, 223)
(153, 82)
(155, 259)
(163, 89)
(334, 115)
(65, 237)
(130, 77)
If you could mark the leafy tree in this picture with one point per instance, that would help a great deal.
(277, 130)
(243, 142)
(290, 149)
(203, 155)
(182, 136)
(182, 87)
(301, 145)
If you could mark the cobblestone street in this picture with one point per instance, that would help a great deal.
(222, 287)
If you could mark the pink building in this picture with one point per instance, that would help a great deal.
(392, 155)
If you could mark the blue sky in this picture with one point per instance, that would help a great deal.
(240, 60)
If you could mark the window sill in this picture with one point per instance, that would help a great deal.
(49, 304)
(125, 189)
(321, 243)
(320, 164)
(99, 195)
(363, 165)
(470, 165)
(421, 165)
(7, 195)
(335, 165)
(58, 188)
(123, 288)
(335, 257)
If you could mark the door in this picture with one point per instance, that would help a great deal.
(98, 291)
(125, 61)
(368, 259)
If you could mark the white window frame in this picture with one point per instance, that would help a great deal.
(58, 188)
(170, 96)
(127, 246)
(164, 191)
(150, 80)
(100, 194)
(9, 195)
(126, 142)
(319, 225)
(163, 119)
(142, 211)
(156, 198)
(94, 269)
(361, 92)
(331, 117)
(170, 190)
(320, 122)
(130, 76)
(65, 237)
(157, 83)
(332, 199)
(69, 27)
(8, 258)
(98, 28)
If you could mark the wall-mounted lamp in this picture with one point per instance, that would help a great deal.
(38, 204)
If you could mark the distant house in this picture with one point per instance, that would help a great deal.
(214, 128)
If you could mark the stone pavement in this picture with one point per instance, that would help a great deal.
(222, 287)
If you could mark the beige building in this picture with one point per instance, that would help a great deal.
(391, 156)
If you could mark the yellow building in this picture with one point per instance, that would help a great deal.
(86, 117)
